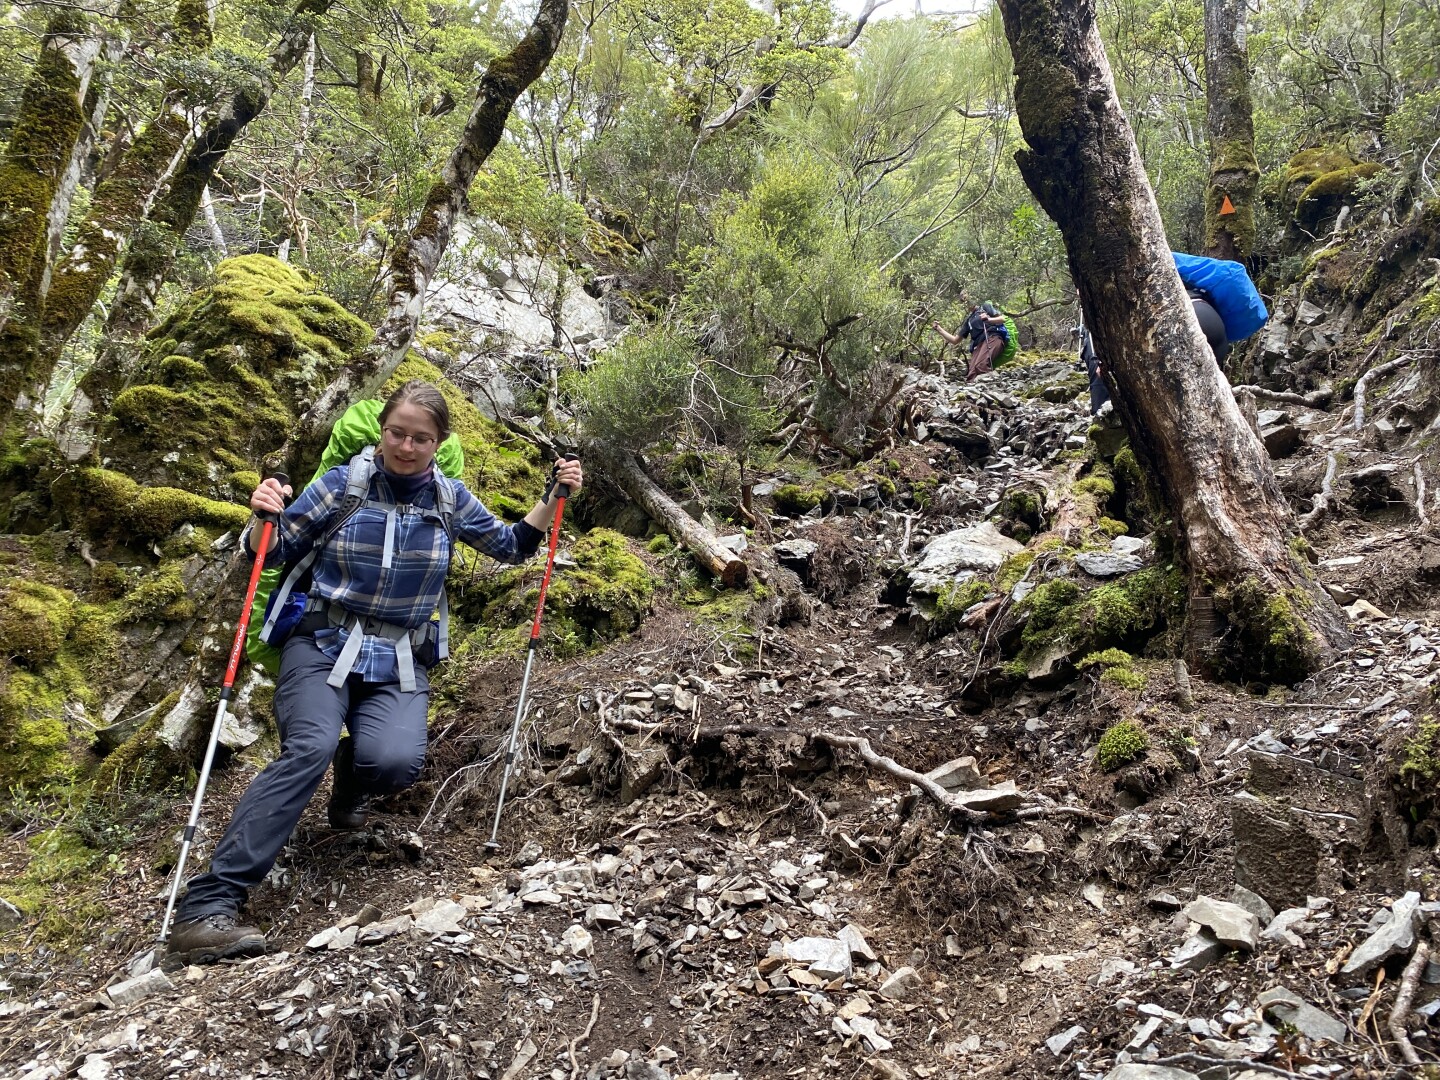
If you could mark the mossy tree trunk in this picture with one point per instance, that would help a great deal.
(1234, 172)
(50, 120)
(124, 198)
(153, 250)
(414, 260)
(1238, 534)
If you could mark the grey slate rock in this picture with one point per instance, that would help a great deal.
(1058, 1044)
(1134, 1071)
(1198, 951)
(1295, 1010)
(1103, 564)
(828, 958)
(1253, 903)
(1395, 937)
(1229, 923)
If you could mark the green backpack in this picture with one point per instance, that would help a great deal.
(358, 428)
(1012, 341)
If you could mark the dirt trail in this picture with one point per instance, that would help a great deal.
(696, 882)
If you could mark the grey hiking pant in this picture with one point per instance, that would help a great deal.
(388, 726)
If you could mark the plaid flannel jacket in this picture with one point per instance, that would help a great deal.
(348, 571)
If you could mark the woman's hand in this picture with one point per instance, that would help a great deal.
(269, 497)
(569, 473)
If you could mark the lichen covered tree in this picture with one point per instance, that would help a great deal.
(1234, 173)
(1236, 529)
(50, 119)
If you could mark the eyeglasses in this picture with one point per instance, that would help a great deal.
(398, 437)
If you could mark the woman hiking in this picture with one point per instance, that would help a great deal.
(987, 339)
(359, 657)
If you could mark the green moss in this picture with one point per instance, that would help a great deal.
(220, 383)
(1421, 761)
(953, 600)
(1275, 640)
(604, 595)
(162, 597)
(110, 506)
(1099, 485)
(1116, 668)
(35, 619)
(660, 544)
(53, 650)
(144, 761)
(55, 889)
(798, 499)
(1111, 527)
(1121, 744)
(1020, 505)
(1326, 189)
(1131, 609)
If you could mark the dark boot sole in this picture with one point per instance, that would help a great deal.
(243, 949)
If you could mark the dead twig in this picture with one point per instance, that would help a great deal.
(594, 1015)
(814, 807)
(1420, 496)
(1404, 1000)
(889, 765)
(1316, 399)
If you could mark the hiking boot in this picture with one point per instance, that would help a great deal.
(211, 938)
(349, 805)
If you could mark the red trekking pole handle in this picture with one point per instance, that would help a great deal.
(237, 650)
(562, 493)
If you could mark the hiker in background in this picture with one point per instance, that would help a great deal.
(358, 658)
(986, 340)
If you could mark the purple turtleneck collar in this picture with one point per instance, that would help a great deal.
(406, 488)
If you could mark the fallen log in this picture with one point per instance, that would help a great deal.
(624, 468)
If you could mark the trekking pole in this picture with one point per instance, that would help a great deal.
(563, 493)
(188, 837)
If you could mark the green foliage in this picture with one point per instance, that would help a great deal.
(636, 393)
(798, 499)
(1115, 668)
(1421, 761)
(1121, 744)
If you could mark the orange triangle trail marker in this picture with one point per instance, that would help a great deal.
(1227, 207)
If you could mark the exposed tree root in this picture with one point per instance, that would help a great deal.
(1404, 1000)
(1322, 497)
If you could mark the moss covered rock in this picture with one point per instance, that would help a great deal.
(604, 594)
(56, 650)
(222, 380)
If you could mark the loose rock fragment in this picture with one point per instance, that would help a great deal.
(129, 992)
(1228, 923)
(901, 985)
(1395, 937)
(1296, 1011)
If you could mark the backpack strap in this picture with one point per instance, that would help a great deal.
(445, 506)
(357, 490)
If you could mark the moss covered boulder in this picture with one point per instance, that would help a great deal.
(603, 592)
(1314, 183)
(223, 379)
(56, 652)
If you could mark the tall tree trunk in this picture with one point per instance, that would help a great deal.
(50, 121)
(1234, 172)
(414, 260)
(1239, 535)
(152, 251)
(151, 257)
(297, 227)
(124, 198)
(97, 104)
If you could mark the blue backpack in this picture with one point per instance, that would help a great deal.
(1228, 288)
